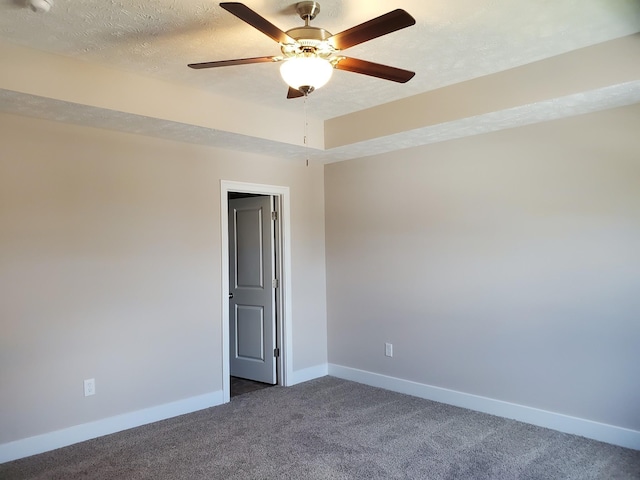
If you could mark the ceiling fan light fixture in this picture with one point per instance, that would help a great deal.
(306, 72)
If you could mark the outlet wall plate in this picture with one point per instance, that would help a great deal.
(89, 387)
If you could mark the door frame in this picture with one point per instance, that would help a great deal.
(284, 336)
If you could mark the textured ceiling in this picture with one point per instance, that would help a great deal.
(452, 42)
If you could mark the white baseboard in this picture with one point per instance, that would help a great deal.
(79, 433)
(300, 376)
(578, 426)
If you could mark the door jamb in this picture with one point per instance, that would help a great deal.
(283, 325)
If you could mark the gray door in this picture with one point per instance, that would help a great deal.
(252, 333)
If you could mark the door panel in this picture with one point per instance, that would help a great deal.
(249, 330)
(249, 268)
(252, 332)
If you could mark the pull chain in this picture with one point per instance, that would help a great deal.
(306, 143)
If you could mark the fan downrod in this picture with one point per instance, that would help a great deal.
(308, 10)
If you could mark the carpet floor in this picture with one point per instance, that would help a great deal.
(332, 429)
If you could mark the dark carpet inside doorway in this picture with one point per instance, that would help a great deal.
(242, 385)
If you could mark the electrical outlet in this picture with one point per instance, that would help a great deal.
(388, 349)
(89, 387)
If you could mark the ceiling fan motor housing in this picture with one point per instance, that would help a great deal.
(309, 40)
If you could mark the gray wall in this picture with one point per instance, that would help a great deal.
(504, 265)
(110, 269)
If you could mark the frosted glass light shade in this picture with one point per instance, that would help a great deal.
(306, 72)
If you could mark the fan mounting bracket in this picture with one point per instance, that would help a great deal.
(308, 10)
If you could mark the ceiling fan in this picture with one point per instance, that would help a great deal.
(309, 54)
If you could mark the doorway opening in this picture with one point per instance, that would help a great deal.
(256, 292)
(240, 386)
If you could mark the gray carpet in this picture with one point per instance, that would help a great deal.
(332, 429)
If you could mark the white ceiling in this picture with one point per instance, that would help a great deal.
(452, 42)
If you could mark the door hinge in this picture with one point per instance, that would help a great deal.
(275, 283)
(274, 215)
(276, 352)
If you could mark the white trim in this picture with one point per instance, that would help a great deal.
(285, 323)
(623, 437)
(304, 375)
(86, 431)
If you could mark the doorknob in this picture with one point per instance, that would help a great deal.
(230, 295)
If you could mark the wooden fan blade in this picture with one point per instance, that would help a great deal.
(237, 61)
(374, 69)
(387, 23)
(258, 22)
(294, 93)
